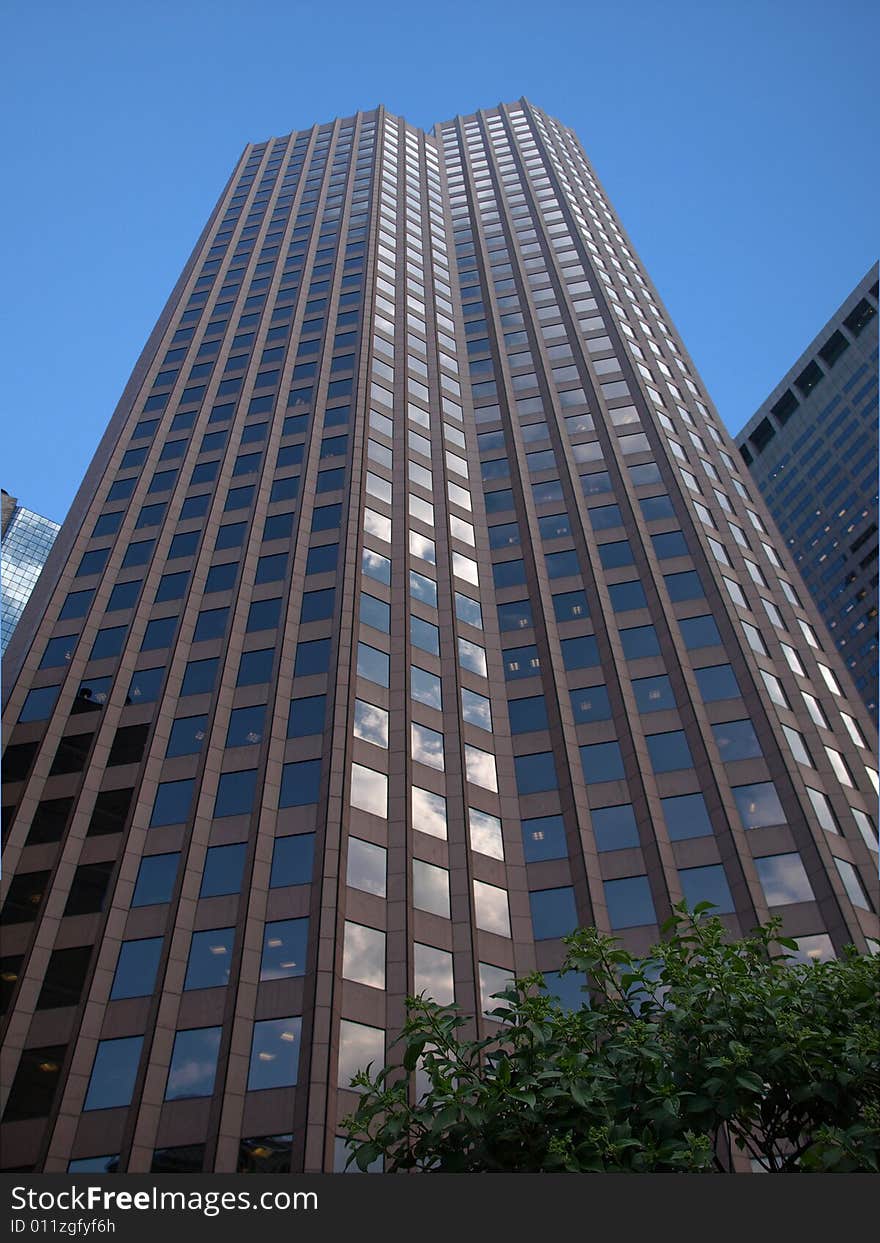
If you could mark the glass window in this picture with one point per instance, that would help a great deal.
(684, 586)
(425, 687)
(136, 968)
(366, 868)
(476, 709)
(589, 704)
(629, 902)
(369, 790)
(491, 912)
(627, 596)
(263, 615)
(372, 664)
(199, 676)
(544, 838)
(245, 726)
(717, 682)
(686, 816)
(554, 913)
(363, 955)
(210, 957)
(114, 1071)
(824, 811)
(285, 942)
(707, 884)
(699, 632)
(653, 694)
(172, 802)
(535, 773)
(300, 783)
(758, 805)
(187, 735)
(312, 657)
(426, 745)
(669, 751)
(570, 606)
(370, 723)
(274, 1053)
(430, 888)
(155, 879)
(850, 877)
(39, 704)
(639, 641)
(235, 793)
(784, 879)
(292, 860)
(210, 624)
(614, 828)
(224, 866)
(428, 812)
(432, 974)
(578, 653)
(359, 1047)
(527, 715)
(736, 740)
(602, 761)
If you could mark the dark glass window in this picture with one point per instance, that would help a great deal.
(230, 536)
(92, 562)
(629, 902)
(128, 745)
(423, 635)
(375, 613)
(245, 726)
(210, 624)
(284, 949)
(36, 1081)
(146, 685)
(669, 544)
(274, 1053)
(199, 676)
(699, 632)
(158, 633)
(300, 783)
(707, 884)
(184, 544)
(544, 838)
(653, 694)
(221, 577)
(616, 554)
(24, 897)
(736, 740)
(235, 793)
(317, 605)
(717, 682)
(49, 821)
(108, 524)
(256, 667)
(614, 828)
(626, 596)
(684, 586)
(326, 517)
(591, 703)
(264, 614)
(172, 803)
(686, 816)
(669, 751)
(323, 559)
(535, 772)
(521, 662)
(292, 860)
(527, 715)
(210, 958)
(155, 881)
(656, 507)
(88, 888)
(312, 657)
(110, 812)
(65, 976)
(602, 761)
(108, 642)
(509, 573)
(171, 586)
(150, 515)
(516, 615)
(193, 1063)
(136, 968)
(562, 564)
(187, 735)
(239, 498)
(603, 517)
(639, 641)
(113, 1073)
(554, 913)
(39, 703)
(71, 754)
(224, 866)
(279, 526)
(580, 653)
(272, 568)
(570, 606)
(76, 604)
(58, 651)
(306, 716)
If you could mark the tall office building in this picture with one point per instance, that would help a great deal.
(812, 452)
(413, 612)
(25, 541)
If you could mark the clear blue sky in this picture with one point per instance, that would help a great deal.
(737, 140)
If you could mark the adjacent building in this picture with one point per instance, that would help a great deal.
(812, 451)
(24, 546)
(415, 609)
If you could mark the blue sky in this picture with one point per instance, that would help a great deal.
(734, 139)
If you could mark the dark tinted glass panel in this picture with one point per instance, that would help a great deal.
(686, 816)
(64, 978)
(110, 812)
(136, 968)
(256, 667)
(292, 860)
(535, 772)
(602, 761)
(88, 889)
(172, 803)
(306, 716)
(224, 866)
(49, 821)
(146, 685)
(590, 704)
(187, 735)
(544, 838)
(235, 793)
(614, 827)
(210, 958)
(669, 751)
(300, 783)
(554, 913)
(156, 877)
(199, 676)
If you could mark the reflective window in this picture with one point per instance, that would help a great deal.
(235, 793)
(187, 735)
(199, 676)
(717, 682)
(589, 704)
(653, 694)
(366, 867)
(784, 879)
(369, 790)
(363, 956)
(426, 745)
(359, 1047)
(758, 805)
(686, 816)
(425, 687)
(707, 884)
(602, 761)
(370, 723)
(430, 888)
(736, 740)
(428, 812)
(155, 880)
(292, 860)
(136, 968)
(306, 716)
(629, 902)
(300, 783)
(639, 641)
(274, 1053)
(432, 974)
(172, 802)
(614, 828)
(113, 1073)
(223, 870)
(535, 773)
(850, 877)
(372, 664)
(284, 949)
(554, 913)
(669, 752)
(210, 958)
(491, 912)
(544, 838)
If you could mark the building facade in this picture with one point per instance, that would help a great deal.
(811, 449)
(414, 611)
(24, 546)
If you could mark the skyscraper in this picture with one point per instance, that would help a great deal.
(812, 451)
(413, 611)
(24, 546)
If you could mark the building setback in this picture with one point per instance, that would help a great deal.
(812, 451)
(25, 543)
(412, 612)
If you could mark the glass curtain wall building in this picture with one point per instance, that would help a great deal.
(414, 611)
(24, 546)
(811, 449)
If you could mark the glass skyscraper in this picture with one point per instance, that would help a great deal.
(415, 610)
(24, 546)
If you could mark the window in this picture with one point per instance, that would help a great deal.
(784, 879)
(263, 615)
(300, 783)
(372, 664)
(577, 653)
(570, 606)
(736, 740)
(669, 752)
(39, 704)
(544, 838)
(717, 682)
(850, 877)
(113, 1073)
(210, 624)
(369, 790)
(627, 596)
(516, 615)
(187, 735)
(684, 586)
(639, 641)
(274, 1053)
(428, 812)
(366, 867)
(823, 809)
(758, 805)
(491, 912)
(359, 1047)
(312, 657)
(363, 955)
(64, 978)
(686, 816)
(430, 888)
(136, 968)
(172, 802)
(527, 715)
(155, 880)
(292, 860)
(629, 902)
(285, 942)
(614, 828)
(220, 577)
(653, 694)
(306, 716)
(426, 746)
(602, 761)
(699, 632)
(590, 704)
(235, 793)
(554, 913)
(108, 642)
(707, 884)
(432, 974)
(223, 870)
(210, 957)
